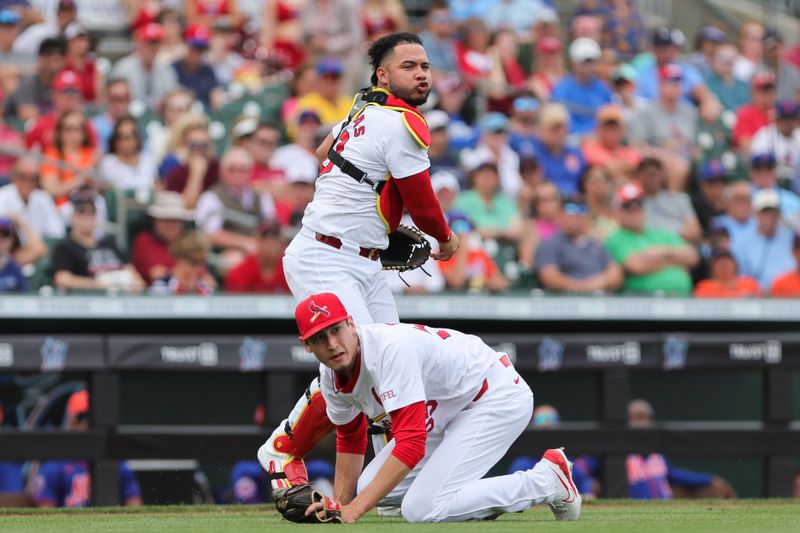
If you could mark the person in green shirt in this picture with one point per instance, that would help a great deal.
(653, 259)
(495, 215)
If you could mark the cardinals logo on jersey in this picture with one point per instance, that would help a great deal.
(318, 310)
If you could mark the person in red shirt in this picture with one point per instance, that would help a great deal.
(788, 285)
(607, 148)
(152, 248)
(725, 281)
(81, 61)
(758, 113)
(262, 271)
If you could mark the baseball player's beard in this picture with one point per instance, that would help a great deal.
(408, 95)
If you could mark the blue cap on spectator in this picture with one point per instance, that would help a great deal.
(787, 109)
(309, 115)
(665, 36)
(763, 160)
(493, 122)
(459, 223)
(526, 104)
(574, 205)
(713, 34)
(8, 17)
(713, 170)
(330, 67)
(6, 224)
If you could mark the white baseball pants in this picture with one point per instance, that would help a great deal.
(447, 485)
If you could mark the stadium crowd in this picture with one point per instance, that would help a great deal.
(589, 155)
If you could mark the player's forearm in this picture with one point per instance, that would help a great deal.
(391, 473)
(423, 206)
(348, 468)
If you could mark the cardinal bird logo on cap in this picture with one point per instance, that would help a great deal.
(318, 310)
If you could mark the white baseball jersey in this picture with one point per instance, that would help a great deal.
(402, 364)
(378, 143)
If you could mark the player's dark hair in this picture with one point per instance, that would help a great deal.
(381, 47)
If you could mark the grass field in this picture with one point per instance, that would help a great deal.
(609, 515)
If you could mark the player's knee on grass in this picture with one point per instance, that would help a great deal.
(417, 507)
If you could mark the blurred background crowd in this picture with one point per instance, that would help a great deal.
(578, 147)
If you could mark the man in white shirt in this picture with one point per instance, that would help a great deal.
(454, 405)
(23, 197)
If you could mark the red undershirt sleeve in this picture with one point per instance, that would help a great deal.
(423, 206)
(408, 428)
(352, 437)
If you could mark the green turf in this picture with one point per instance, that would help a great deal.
(613, 516)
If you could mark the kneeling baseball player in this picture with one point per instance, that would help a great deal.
(454, 406)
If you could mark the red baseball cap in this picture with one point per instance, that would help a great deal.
(66, 79)
(78, 403)
(629, 192)
(671, 72)
(198, 35)
(762, 79)
(317, 312)
(150, 33)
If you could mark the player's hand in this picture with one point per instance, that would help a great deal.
(446, 249)
(349, 515)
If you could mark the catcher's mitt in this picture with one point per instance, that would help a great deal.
(293, 502)
(408, 249)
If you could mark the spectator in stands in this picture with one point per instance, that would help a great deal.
(706, 43)
(331, 28)
(607, 148)
(571, 260)
(664, 209)
(738, 219)
(522, 126)
(472, 52)
(192, 70)
(223, 56)
(623, 85)
(753, 116)
(516, 15)
(780, 140)
(492, 211)
(176, 104)
(230, 210)
(206, 11)
(81, 261)
(652, 477)
(762, 174)
(11, 277)
(382, 17)
(725, 281)
(709, 202)
(194, 168)
(471, 268)
(117, 96)
(300, 156)
(126, 167)
(667, 45)
(300, 187)
(261, 141)
(668, 126)
(751, 46)
(562, 164)
(494, 148)
(540, 221)
(453, 96)
(787, 75)
(23, 198)
(328, 100)
(152, 251)
(12, 63)
(731, 92)
(29, 40)
(173, 45)
(548, 69)
(439, 152)
(69, 163)
(81, 61)
(765, 253)
(189, 274)
(597, 188)
(787, 285)
(654, 260)
(262, 270)
(507, 78)
(623, 27)
(68, 483)
(438, 38)
(149, 80)
(33, 97)
(582, 92)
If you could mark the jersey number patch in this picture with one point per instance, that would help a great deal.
(358, 131)
(430, 407)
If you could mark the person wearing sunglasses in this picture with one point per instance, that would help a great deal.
(654, 260)
(571, 260)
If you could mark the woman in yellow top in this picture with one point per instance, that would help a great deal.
(70, 161)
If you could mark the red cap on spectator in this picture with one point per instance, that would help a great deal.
(150, 33)
(317, 312)
(197, 35)
(66, 79)
(78, 403)
(548, 45)
(629, 192)
(765, 78)
(671, 72)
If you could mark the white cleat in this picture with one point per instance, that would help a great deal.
(567, 503)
